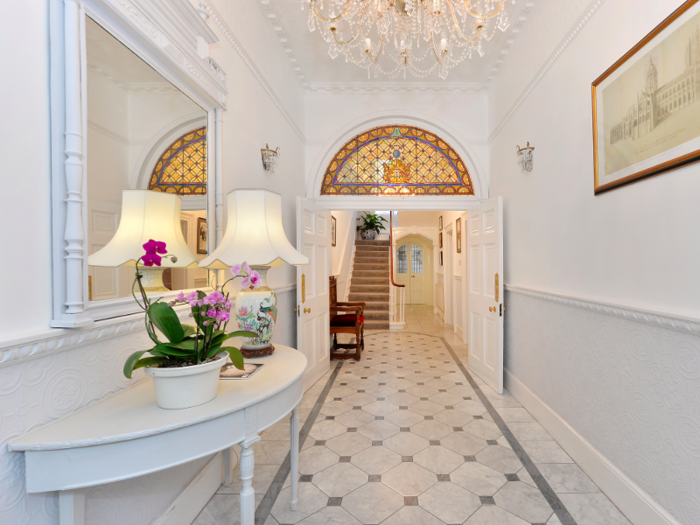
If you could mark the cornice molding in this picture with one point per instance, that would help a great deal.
(218, 19)
(115, 136)
(279, 31)
(656, 319)
(498, 62)
(395, 87)
(573, 32)
(57, 340)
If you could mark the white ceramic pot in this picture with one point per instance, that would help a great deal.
(188, 386)
(368, 235)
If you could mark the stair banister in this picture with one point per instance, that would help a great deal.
(398, 294)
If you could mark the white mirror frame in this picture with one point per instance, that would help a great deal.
(170, 36)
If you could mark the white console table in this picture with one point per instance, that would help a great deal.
(126, 435)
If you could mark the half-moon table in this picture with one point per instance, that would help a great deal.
(126, 435)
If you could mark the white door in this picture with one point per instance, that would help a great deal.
(313, 323)
(485, 290)
(417, 269)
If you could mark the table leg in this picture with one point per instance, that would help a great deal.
(247, 466)
(71, 507)
(228, 467)
(294, 453)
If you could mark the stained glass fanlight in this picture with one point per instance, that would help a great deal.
(396, 160)
(182, 168)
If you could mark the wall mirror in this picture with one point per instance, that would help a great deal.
(143, 133)
(136, 104)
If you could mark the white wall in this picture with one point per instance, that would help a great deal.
(35, 361)
(622, 386)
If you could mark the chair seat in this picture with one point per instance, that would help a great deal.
(346, 320)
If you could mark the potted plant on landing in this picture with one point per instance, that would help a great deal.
(371, 225)
(185, 368)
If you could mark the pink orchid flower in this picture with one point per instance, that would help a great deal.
(150, 259)
(155, 247)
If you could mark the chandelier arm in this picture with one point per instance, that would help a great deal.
(480, 15)
(464, 37)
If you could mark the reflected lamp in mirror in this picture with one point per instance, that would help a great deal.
(525, 157)
(254, 233)
(270, 158)
(147, 215)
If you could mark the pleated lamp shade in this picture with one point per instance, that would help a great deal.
(146, 215)
(254, 233)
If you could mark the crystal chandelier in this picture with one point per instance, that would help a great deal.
(395, 36)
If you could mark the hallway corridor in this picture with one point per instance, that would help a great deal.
(405, 437)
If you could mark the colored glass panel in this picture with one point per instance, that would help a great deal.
(396, 160)
(182, 168)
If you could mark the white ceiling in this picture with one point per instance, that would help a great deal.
(308, 53)
(106, 55)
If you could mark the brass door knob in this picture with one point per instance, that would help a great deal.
(307, 310)
(492, 308)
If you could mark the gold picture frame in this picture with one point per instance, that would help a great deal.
(440, 236)
(201, 235)
(638, 93)
(440, 223)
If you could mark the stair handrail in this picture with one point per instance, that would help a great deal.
(397, 310)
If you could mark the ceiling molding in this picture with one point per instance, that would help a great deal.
(573, 32)
(394, 87)
(274, 20)
(498, 61)
(218, 19)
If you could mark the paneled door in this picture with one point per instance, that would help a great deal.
(313, 322)
(484, 232)
(410, 271)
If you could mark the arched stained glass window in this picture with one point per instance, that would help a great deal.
(397, 160)
(182, 168)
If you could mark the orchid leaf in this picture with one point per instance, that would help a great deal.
(236, 357)
(185, 344)
(189, 329)
(165, 319)
(150, 361)
(131, 363)
(244, 333)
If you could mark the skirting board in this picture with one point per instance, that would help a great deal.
(190, 502)
(634, 502)
(396, 326)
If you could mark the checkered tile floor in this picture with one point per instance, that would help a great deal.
(403, 438)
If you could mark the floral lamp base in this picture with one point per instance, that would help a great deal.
(256, 311)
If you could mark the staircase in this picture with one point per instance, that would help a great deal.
(370, 282)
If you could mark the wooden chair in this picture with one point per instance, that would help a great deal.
(346, 318)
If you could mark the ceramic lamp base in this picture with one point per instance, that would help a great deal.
(256, 311)
(152, 280)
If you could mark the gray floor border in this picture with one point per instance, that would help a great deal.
(265, 506)
(542, 484)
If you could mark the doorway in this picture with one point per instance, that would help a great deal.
(414, 269)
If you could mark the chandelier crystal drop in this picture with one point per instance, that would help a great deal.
(398, 36)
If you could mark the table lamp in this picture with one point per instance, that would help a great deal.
(254, 233)
(147, 215)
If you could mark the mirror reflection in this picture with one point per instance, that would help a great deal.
(143, 134)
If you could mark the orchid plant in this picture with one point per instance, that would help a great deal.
(187, 345)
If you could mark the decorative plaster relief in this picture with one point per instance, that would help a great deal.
(626, 380)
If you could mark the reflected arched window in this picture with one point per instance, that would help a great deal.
(396, 160)
(182, 168)
(416, 259)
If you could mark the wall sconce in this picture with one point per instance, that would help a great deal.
(525, 157)
(270, 158)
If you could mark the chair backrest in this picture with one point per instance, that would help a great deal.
(333, 291)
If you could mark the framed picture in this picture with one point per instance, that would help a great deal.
(332, 230)
(458, 228)
(440, 223)
(440, 236)
(201, 235)
(441, 259)
(646, 106)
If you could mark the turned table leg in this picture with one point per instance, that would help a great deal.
(294, 453)
(247, 466)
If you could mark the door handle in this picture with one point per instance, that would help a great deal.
(307, 310)
(492, 308)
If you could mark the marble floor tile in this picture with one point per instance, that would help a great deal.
(449, 502)
(546, 452)
(478, 478)
(372, 503)
(311, 499)
(348, 444)
(524, 501)
(500, 459)
(438, 459)
(464, 443)
(593, 509)
(378, 430)
(431, 430)
(494, 515)
(340, 479)
(529, 432)
(412, 516)
(409, 479)
(376, 460)
(567, 478)
(406, 443)
(315, 459)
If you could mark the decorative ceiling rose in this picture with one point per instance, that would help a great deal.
(395, 36)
